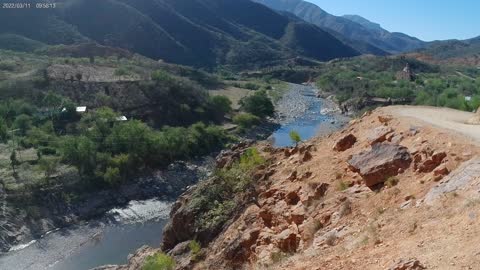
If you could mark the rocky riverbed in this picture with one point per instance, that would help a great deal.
(301, 110)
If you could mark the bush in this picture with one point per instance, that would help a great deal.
(221, 105)
(195, 248)
(246, 120)
(258, 104)
(162, 76)
(23, 123)
(295, 137)
(45, 150)
(159, 261)
(3, 131)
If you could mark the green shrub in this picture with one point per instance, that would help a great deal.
(159, 261)
(195, 249)
(251, 86)
(23, 123)
(246, 120)
(258, 104)
(112, 176)
(162, 76)
(221, 104)
(3, 130)
(295, 137)
(45, 150)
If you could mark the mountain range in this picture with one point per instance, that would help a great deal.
(202, 33)
(363, 35)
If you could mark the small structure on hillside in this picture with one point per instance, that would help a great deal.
(81, 109)
(406, 74)
(122, 118)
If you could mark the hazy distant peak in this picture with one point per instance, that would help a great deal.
(362, 21)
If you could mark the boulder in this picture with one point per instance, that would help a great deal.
(379, 135)
(287, 241)
(307, 156)
(429, 164)
(380, 163)
(345, 143)
(411, 264)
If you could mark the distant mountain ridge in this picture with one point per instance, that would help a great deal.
(202, 33)
(352, 27)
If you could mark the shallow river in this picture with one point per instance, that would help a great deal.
(90, 245)
(301, 111)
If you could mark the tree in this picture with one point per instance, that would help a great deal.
(221, 105)
(23, 122)
(258, 104)
(14, 161)
(295, 137)
(246, 120)
(3, 131)
(48, 166)
(80, 152)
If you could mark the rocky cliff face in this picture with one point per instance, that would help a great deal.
(387, 192)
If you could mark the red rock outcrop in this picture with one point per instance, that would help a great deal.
(381, 162)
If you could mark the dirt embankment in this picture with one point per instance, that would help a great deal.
(395, 189)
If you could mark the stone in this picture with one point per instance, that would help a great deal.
(293, 176)
(345, 143)
(458, 179)
(379, 135)
(380, 163)
(384, 119)
(431, 163)
(292, 198)
(297, 214)
(287, 241)
(410, 264)
(307, 156)
(441, 171)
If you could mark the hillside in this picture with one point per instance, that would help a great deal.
(459, 52)
(354, 28)
(202, 33)
(399, 193)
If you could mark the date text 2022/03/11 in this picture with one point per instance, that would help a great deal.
(27, 5)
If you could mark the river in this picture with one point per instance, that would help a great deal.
(106, 241)
(300, 110)
(122, 231)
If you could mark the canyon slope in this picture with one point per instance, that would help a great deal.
(364, 35)
(201, 33)
(395, 189)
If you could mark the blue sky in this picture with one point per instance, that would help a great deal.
(425, 19)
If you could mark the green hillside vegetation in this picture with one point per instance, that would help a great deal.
(46, 143)
(367, 77)
(203, 33)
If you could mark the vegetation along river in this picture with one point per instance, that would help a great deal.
(110, 239)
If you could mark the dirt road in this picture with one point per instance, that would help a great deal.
(441, 117)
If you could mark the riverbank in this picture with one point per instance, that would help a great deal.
(50, 209)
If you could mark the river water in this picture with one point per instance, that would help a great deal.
(301, 111)
(122, 231)
(107, 241)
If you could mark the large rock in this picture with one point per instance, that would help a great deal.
(345, 143)
(381, 162)
(379, 134)
(411, 264)
(287, 241)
